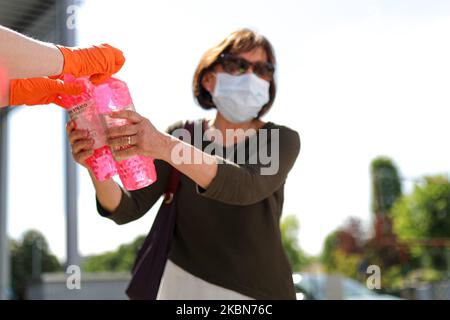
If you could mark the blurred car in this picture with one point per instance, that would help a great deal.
(320, 286)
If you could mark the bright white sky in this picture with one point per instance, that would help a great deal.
(357, 79)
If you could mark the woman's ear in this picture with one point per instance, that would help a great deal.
(209, 81)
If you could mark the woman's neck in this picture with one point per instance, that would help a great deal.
(222, 124)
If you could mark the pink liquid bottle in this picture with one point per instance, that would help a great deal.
(83, 111)
(135, 172)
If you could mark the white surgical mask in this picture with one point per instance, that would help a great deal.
(240, 98)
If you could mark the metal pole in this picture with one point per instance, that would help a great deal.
(447, 250)
(36, 259)
(5, 263)
(66, 30)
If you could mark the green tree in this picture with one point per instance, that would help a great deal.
(425, 214)
(343, 249)
(383, 249)
(120, 260)
(289, 236)
(329, 247)
(30, 257)
(336, 260)
(386, 186)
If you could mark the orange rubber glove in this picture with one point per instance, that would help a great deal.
(97, 62)
(35, 91)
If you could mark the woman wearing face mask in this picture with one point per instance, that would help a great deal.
(227, 242)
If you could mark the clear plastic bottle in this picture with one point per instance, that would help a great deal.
(135, 172)
(82, 110)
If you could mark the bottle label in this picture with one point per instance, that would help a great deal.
(86, 118)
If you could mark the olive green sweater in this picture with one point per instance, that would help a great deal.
(228, 234)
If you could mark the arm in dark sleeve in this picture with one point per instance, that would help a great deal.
(244, 184)
(134, 204)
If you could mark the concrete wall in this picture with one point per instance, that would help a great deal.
(100, 286)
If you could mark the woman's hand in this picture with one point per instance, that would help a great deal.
(139, 137)
(80, 142)
(107, 192)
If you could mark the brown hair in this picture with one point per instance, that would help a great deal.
(242, 40)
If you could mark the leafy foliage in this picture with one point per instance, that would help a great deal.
(386, 186)
(120, 260)
(289, 236)
(31, 252)
(342, 250)
(425, 214)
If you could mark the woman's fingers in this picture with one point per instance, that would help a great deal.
(82, 156)
(125, 153)
(125, 141)
(126, 130)
(130, 115)
(76, 135)
(81, 145)
(70, 126)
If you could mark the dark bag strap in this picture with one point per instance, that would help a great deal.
(152, 256)
(172, 186)
(169, 193)
(174, 178)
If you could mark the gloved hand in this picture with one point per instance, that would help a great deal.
(34, 91)
(97, 62)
